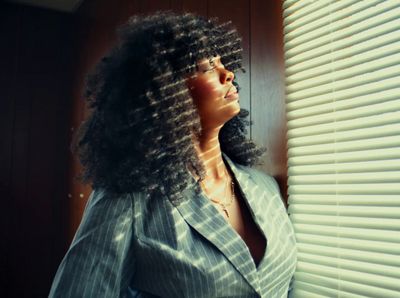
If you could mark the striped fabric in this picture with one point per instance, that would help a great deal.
(135, 247)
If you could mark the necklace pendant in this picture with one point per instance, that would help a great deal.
(226, 211)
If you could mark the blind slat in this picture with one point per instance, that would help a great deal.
(312, 291)
(347, 232)
(350, 156)
(347, 135)
(350, 211)
(364, 121)
(362, 245)
(338, 110)
(290, 6)
(350, 254)
(345, 200)
(349, 167)
(335, 112)
(362, 188)
(343, 146)
(346, 178)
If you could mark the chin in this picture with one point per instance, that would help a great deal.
(233, 109)
(236, 107)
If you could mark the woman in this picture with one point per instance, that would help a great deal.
(176, 210)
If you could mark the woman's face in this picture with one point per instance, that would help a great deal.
(213, 93)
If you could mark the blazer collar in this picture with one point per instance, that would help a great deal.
(203, 216)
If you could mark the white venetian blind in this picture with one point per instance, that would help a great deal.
(343, 108)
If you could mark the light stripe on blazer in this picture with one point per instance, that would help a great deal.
(132, 247)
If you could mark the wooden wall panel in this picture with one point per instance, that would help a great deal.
(35, 80)
(8, 66)
(267, 86)
(147, 7)
(127, 8)
(197, 7)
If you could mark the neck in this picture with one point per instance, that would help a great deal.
(209, 152)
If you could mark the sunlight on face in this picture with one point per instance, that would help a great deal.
(213, 92)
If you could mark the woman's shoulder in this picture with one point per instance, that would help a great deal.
(107, 203)
(266, 178)
(99, 250)
(257, 176)
(100, 195)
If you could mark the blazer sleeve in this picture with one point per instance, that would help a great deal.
(99, 262)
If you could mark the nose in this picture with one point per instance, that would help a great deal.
(226, 76)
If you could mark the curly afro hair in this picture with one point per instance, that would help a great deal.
(138, 137)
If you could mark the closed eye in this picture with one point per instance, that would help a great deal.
(210, 69)
(211, 64)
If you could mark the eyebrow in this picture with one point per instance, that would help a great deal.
(212, 59)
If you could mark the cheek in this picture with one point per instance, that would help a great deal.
(202, 94)
(207, 91)
(199, 99)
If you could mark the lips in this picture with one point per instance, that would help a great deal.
(231, 91)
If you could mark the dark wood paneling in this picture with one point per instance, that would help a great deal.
(267, 86)
(8, 64)
(148, 7)
(196, 7)
(20, 158)
(35, 81)
(127, 9)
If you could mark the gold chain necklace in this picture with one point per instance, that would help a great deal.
(223, 204)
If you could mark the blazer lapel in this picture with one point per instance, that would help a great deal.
(202, 216)
(251, 194)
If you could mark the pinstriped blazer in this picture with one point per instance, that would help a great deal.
(133, 247)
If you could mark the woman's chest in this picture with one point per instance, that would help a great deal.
(191, 251)
(174, 259)
(242, 221)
